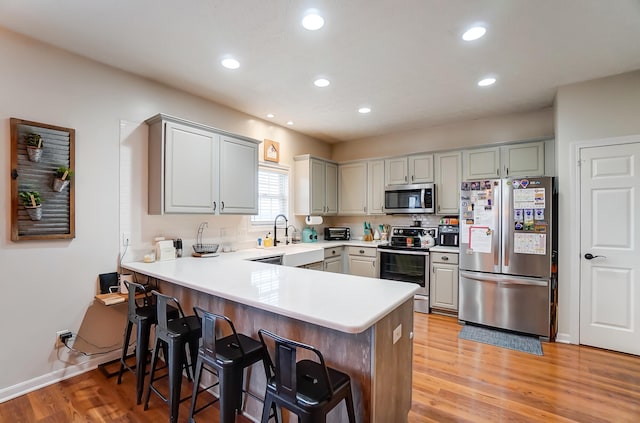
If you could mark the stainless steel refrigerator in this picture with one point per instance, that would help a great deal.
(508, 254)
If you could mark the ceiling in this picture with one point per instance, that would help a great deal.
(405, 60)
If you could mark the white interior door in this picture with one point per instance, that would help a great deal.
(610, 262)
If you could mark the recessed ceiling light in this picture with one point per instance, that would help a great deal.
(230, 63)
(364, 110)
(486, 82)
(270, 115)
(312, 21)
(290, 123)
(321, 82)
(474, 33)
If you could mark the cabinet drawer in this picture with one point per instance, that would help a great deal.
(362, 251)
(333, 252)
(449, 258)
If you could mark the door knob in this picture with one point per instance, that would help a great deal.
(590, 256)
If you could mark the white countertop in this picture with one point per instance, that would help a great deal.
(346, 303)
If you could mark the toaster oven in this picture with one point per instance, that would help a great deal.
(337, 233)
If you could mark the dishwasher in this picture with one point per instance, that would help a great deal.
(277, 259)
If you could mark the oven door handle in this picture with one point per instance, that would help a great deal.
(422, 197)
(407, 252)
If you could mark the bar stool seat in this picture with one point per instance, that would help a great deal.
(144, 316)
(226, 357)
(307, 388)
(173, 336)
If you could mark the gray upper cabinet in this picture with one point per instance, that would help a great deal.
(375, 187)
(361, 188)
(525, 159)
(481, 163)
(238, 176)
(315, 186)
(448, 175)
(352, 188)
(415, 169)
(198, 169)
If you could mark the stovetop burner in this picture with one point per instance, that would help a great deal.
(411, 238)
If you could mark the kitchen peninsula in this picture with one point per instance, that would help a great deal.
(353, 320)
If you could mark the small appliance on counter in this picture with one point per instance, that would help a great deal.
(337, 233)
(165, 250)
(448, 235)
(309, 235)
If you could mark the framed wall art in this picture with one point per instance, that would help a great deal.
(271, 151)
(42, 186)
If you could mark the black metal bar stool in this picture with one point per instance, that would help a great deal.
(308, 388)
(144, 316)
(173, 335)
(226, 357)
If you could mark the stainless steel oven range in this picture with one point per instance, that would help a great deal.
(406, 259)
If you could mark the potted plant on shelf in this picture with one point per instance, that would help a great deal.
(32, 202)
(62, 179)
(34, 143)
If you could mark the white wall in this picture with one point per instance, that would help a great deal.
(592, 110)
(49, 285)
(471, 133)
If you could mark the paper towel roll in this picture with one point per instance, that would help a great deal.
(313, 220)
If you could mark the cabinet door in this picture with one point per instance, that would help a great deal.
(444, 286)
(448, 177)
(318, 265)
(375, 186)
(238, 176)
(317, 187)
(523, 159)
(481, 163)
(395, 171)
(333, 264)
(363, 266)
(352, 189)
(421, 169)
(191, 169)
(331, 188)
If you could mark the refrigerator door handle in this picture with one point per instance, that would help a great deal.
(503, 279)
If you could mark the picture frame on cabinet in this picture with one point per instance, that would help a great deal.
(271, 151)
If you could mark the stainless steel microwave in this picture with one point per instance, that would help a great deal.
(411, 199)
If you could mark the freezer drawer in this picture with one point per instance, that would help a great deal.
(507, 302)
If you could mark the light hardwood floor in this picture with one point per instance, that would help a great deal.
(454, 380)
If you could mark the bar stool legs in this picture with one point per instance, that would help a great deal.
(173, 336)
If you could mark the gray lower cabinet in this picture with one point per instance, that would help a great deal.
(318, 265)
(443, 291)
(362, 261)
(334, 259)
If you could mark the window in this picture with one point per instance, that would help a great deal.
(273, 194)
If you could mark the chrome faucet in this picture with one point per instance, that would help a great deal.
(275, 230)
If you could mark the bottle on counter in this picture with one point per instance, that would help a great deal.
(178, 244)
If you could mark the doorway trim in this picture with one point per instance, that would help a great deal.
(574, 248)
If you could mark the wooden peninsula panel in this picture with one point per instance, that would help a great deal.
(380, 371)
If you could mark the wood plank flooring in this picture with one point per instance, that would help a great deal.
(454, 380)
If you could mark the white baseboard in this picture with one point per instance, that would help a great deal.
(36, 383)
(564, 338)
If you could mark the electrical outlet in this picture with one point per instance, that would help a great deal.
(126, 239)
(61, 336)
(397, 333)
